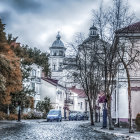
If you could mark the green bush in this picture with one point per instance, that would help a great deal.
(3, 116)
(35, 115)
(24, 116)
(137, 121)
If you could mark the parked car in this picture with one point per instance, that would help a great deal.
(82, 116)
(72, 116)
(54, 115)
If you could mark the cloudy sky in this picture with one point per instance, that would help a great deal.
(36, 22)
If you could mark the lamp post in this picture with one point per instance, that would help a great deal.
(66, 108)
(65, 104)
(19, 111)
(104, 116)
(99, 114)
(103, 99)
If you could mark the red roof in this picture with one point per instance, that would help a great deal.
(51, 81)
(135, 88)
(80, 92)
(133, 28)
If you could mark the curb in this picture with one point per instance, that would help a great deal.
(117, 134)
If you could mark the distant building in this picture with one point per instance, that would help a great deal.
(57, 55)
(34, 82)
(78, 99)
(65, 99)
(56, 92)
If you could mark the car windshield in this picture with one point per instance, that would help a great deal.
(53, 112)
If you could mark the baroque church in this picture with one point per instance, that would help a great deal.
(57, 57)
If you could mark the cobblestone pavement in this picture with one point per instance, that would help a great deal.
(66, 130)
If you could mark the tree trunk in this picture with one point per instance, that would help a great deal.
(8, 111)
(91, 113)
(129, 101)
(94, 110)
(111, 127)
(95, 114)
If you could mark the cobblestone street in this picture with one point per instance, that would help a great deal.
(41, 130)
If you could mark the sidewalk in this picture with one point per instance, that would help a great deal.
(13, 123)
(119, 132)
(8, 124)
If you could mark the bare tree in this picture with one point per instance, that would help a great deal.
(108, 21)
(86, 71)
(128, 52)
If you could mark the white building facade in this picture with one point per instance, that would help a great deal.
(78, 99)
(56, 92)
(34, 82)
(120, 109)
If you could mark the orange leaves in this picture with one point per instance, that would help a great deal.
(11, 71)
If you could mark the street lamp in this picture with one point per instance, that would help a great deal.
(102, 99)
(66, 108)
(19, 111)
(104, 116)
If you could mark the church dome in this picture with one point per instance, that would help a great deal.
(93, 27)
(58, 42)
(93, 31)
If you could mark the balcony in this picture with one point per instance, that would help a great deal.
(36, 79)
(68, 101)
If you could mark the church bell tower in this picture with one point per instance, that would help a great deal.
(57, 55)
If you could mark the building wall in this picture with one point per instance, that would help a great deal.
(60, 97)
(34, 82)
(55, 93)
(48, 90)
(55, 60)
(122, 91)
(120, 102)
(123, 103)
(135, 103)
(135, 98)
(79, 104)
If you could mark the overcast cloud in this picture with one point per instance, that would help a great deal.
(36, 22)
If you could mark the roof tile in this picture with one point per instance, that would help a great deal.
(133, 28)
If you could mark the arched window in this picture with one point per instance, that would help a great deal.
(33, 72)
(54, 53)
(61, 53)
(54, 67)
(60, 66)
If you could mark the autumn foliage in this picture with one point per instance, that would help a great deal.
(13, 78)
(10, 72)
